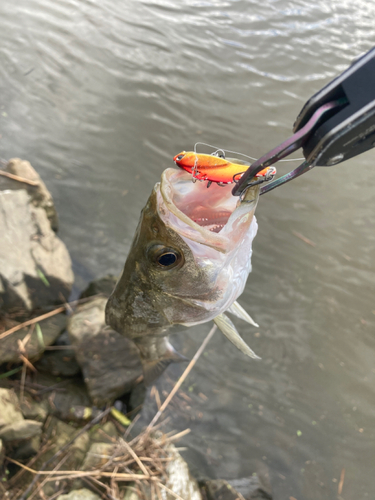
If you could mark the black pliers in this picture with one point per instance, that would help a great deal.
(337, 123)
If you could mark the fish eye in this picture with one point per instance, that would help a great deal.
(165, 257)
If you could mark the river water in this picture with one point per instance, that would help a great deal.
(100, 96)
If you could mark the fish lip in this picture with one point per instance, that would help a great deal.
(178, 220)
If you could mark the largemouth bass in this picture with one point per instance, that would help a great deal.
(188, 263)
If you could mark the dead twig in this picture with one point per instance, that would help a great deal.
(341, 482)
(304, 239)
(19, 179)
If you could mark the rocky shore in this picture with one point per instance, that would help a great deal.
(71, 387)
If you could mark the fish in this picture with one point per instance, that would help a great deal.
(187, 265)
(214, 168)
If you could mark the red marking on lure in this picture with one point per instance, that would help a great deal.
(211, 168)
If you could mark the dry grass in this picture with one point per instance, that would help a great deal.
(139, 464)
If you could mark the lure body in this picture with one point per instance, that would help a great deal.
(211, 168)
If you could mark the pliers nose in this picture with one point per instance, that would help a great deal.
(336, 124)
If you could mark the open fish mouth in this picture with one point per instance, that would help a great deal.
(213, 217)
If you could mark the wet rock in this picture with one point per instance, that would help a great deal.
(50, 328)
(102, 286)
(180, 480)
(34, 410)
(110, 363)
(2, 453)
(35, 266)
(82, 494)
(105, 433)
(98, 455)
(9, 408)
(39, 194)
(19, 431)
(220, 489)
(28, 448)
(61, 363)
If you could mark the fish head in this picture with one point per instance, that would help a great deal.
(189, 259)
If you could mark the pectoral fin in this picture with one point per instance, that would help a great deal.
(229, 330)
(156, 355)
(240, 312)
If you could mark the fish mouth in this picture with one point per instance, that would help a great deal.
(213, 216)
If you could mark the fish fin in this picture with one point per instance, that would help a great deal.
(229, 330)
(154, 368)
(240, 312)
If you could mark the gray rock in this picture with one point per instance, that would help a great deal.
(39, 194)
(180, 480)
(2, 453)
(249, 488)
(28, 448)
(59, 363)
(35, 266)
(82, 494)
(105, 433)
(9, 408)
(98, 455)
(19, 431)
(102, 286)
(51, 329)
(110, 363)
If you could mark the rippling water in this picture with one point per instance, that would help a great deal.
(99, 96)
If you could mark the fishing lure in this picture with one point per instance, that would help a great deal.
(213, 168)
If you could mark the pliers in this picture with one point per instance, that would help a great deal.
(336, 124)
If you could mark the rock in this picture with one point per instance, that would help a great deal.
(102, 286)
(59, 363)
(50, 328)
(249, 488)
(252, 488)
(39, 194)
(105, 433)
(9, 408)
(35, 266)
(34, 410)
(98, 455)
(180, 480)
(82, 494)
(19, 431)
(28, 448)
(110, 363)
(2, 453)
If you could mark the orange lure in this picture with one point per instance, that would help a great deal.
(211, 168)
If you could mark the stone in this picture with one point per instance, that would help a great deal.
(82, 494)
(59, 363)
(9, 408)
(105, 433)
(35, 266)
(98, 455)
(252, 488)
(110, 363)
(249, 488)
(28, 448)
(180, 481)
(19, 431)
(39, 194)
(2, 453)
(9, 348)
(103, 286)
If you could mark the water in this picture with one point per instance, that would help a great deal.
(99, 96)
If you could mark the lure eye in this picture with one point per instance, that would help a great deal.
(179, 157)
(165, 257)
